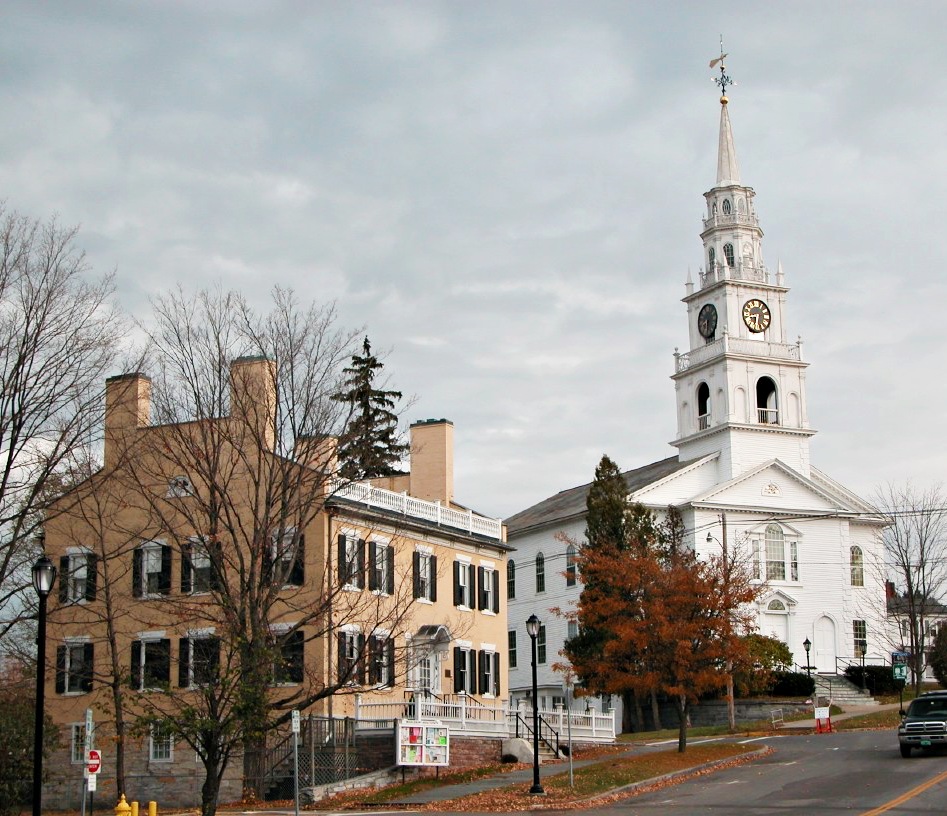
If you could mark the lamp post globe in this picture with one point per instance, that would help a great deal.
(532, 629)
(807, 644)
(44, 576)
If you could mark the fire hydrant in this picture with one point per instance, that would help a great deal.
(122, 808)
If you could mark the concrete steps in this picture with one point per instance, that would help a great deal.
(841, 691)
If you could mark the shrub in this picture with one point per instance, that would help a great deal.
(878, 679)
(938, 656)
(792, 684)
(764, 657)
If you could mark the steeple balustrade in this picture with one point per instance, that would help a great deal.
(737, 345)
(740, 272)
(734, 219)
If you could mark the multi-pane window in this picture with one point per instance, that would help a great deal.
(151, 663)
(381, 572)
(860, 633)
(728, 253)
(381, 660)
(489, 582)
(540, 572)
(465, 673)
(794, 560)
(775, 554)
(425, 576)
(287, 558)
(77, 574)
(151, 569)
(351, 645)
(570, 565)
(423, 670)
(198, 660)
(776, 557)
(541, 644)
(511, 648)
(78, 753)
(857, 562)
(74, 664)
(489, 671)
(351, 561)
(198, 571)
(160, 744)
(465, 584)
(572, 629)
(288, 666)
(510, 580)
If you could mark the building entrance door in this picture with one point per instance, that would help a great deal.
(825, 652)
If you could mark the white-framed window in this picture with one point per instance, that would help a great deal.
(423, 669)
(728, 253)
(424, 571)
(151, 663)
(289, 656)
(489, 581)
(381, 660)
(540, 572)
(860, 637)
(196, 567)
(510, 579)
(351, 561)
(511, 648)
(77, 577)
(727, 207)
(572, 629)
(571, 568)
(74, 665)
(776, 556)
(351, 645)
(151, 569)
(287, 558)
(465, 670)
(160, 745)
(857, 564)
(198, 659)
(489, 665)
(558, 701)
(77, 753)
(541, 644)
(465, 584)
(381, 567)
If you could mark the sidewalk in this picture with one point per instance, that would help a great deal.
(851, 711)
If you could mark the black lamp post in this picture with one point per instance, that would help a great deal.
(44, 574)
(807, 644)
(532, 629)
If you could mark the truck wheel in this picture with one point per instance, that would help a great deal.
(905, 751)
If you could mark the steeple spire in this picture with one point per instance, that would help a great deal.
(728, 172)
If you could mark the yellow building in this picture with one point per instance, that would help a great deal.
(199, 548)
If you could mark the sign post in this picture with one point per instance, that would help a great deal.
(93, 766)
(899, 670)
(295, 725)
(87, 744)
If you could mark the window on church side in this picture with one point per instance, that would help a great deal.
(857, 566)
(540, 572)
(712, 259)
(775, 554)
(860, 632)
(703, 407)
(767, 410)
(728, 253)
(726, 206)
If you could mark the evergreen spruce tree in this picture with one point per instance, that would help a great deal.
(938, 656)
(370, 445)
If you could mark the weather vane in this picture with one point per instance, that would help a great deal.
(723, 80)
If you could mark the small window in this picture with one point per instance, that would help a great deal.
(540, 572)
(570, 565)
(775, 554)
(151, 664)
(381, 661)
(510, 580)
(198, 660)
(77, 577)
(288, 666)
(161, 744)
(287, 558)
(860, 632)
(857, 566)
(381, 570)
(511, 648)
(151, 569)
(351, 561)
(425, 576)
(703, 407)
(489, 664)
(78, 753)
(541, 644)
(727, 208)
(465, 672)
(74, 666)
(351, 667)
(198, 573)
(489, 582)
(728, 253)
(464, 585)
(712, 260)
(572, 629)
(776, 606)
(793, 561)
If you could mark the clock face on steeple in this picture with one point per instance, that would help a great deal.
(756, 315)
(707, 320)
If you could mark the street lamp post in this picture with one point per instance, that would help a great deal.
(532, 629)
(807, 644)
(44, 574)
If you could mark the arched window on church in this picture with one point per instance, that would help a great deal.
(728, 253)
(510, 579)
(857, 560)
(767, 409)
(711, 259)
(775, 553)
(703, 407)
(726, 206)
(540, 572)
(570, 565)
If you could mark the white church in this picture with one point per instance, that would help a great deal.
(741, 477)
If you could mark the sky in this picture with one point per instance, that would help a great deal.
(506, 197)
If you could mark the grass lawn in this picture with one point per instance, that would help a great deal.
(874, 719)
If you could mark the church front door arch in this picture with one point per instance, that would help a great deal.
(825, 652)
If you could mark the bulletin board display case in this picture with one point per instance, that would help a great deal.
(424, 742)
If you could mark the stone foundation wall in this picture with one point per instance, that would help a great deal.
(714, 712)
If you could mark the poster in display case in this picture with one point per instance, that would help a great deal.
(423, 743)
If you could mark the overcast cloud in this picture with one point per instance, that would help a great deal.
(507, 196)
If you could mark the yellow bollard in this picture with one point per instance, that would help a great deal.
(152, 809)
(134, 809)
(122, 808)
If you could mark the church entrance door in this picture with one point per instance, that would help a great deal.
(825, 652)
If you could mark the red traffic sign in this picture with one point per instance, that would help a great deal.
(94, 762)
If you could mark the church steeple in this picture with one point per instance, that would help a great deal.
(741, 385)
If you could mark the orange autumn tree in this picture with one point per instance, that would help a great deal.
(652, 616)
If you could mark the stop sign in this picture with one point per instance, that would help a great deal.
(94, 763)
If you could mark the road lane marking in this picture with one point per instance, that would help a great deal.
(904, 797)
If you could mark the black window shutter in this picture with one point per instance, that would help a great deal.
(343, 659)
(458, 593)
(136, 665)
(343, 563)
(60, 669)
(213, 658)
(458, 668)
(92, 566)
(360, 566)
(184, 662)
(374, 652)
(390, 574)
(372, 566)
(216, 551)
(295, 646)
(186, 553)
(63, 579)
(481, 594)
(416, 573)
(433, 561)
(88, 664)
(297, 575)
(161, 668)
(496, 591)
(390, 660)
(472, 577)
(136, 572)
(165, 586)
(360, 671)
(266, 561)
(496, 674)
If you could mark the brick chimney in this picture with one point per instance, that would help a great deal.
(127, 408)
(890, 593)
(432, 460)
(253, 396)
